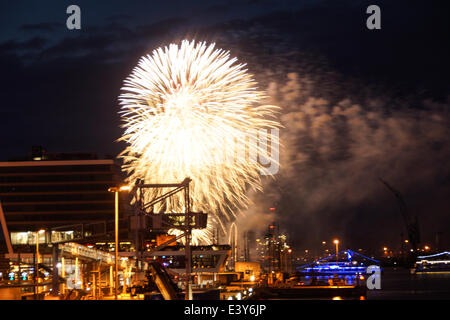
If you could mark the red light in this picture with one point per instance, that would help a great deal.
(272, 209)
(271, 227)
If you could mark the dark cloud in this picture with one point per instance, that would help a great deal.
(119, 17)
(45, 26)
(33, 44)
(220, 8)
(161, 28)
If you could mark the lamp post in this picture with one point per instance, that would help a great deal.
(116, 191)
(36, 267)
(336, 242)
(37, 243)
(289, 262)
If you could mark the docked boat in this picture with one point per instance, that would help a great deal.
(347, 262)
(439, 262)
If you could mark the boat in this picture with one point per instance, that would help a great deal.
(439, 262)
(353, 264)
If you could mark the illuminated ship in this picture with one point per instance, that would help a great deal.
(439, 262)
(353, 263)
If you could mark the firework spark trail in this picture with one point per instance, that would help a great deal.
(187, 112)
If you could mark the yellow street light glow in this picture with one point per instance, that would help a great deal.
(336, 242)
(41, 231)
(119, 189)
(116, 190)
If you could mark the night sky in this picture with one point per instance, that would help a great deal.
(357, 104)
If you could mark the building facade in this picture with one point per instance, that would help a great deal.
(54, 190)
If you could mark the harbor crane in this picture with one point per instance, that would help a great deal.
(412, 225)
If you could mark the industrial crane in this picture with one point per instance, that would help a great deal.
(161, 278)
(412, 225)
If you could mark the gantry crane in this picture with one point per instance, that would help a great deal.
(412, 225)
(161, 278)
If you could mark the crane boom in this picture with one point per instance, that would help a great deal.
(412, 227)
(162, 280)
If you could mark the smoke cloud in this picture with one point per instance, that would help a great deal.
(334, 149)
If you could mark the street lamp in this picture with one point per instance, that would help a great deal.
(116, 191)
(290, 260)
(36, 267)
(336, 242)
(37, 243)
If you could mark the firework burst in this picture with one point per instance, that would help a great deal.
(188, 110)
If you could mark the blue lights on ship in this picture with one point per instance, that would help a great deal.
(328, 266)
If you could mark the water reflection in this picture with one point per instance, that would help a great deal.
(327, 280)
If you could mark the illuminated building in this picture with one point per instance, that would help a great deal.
(54, 190)
(51, 190)
(272, 250)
